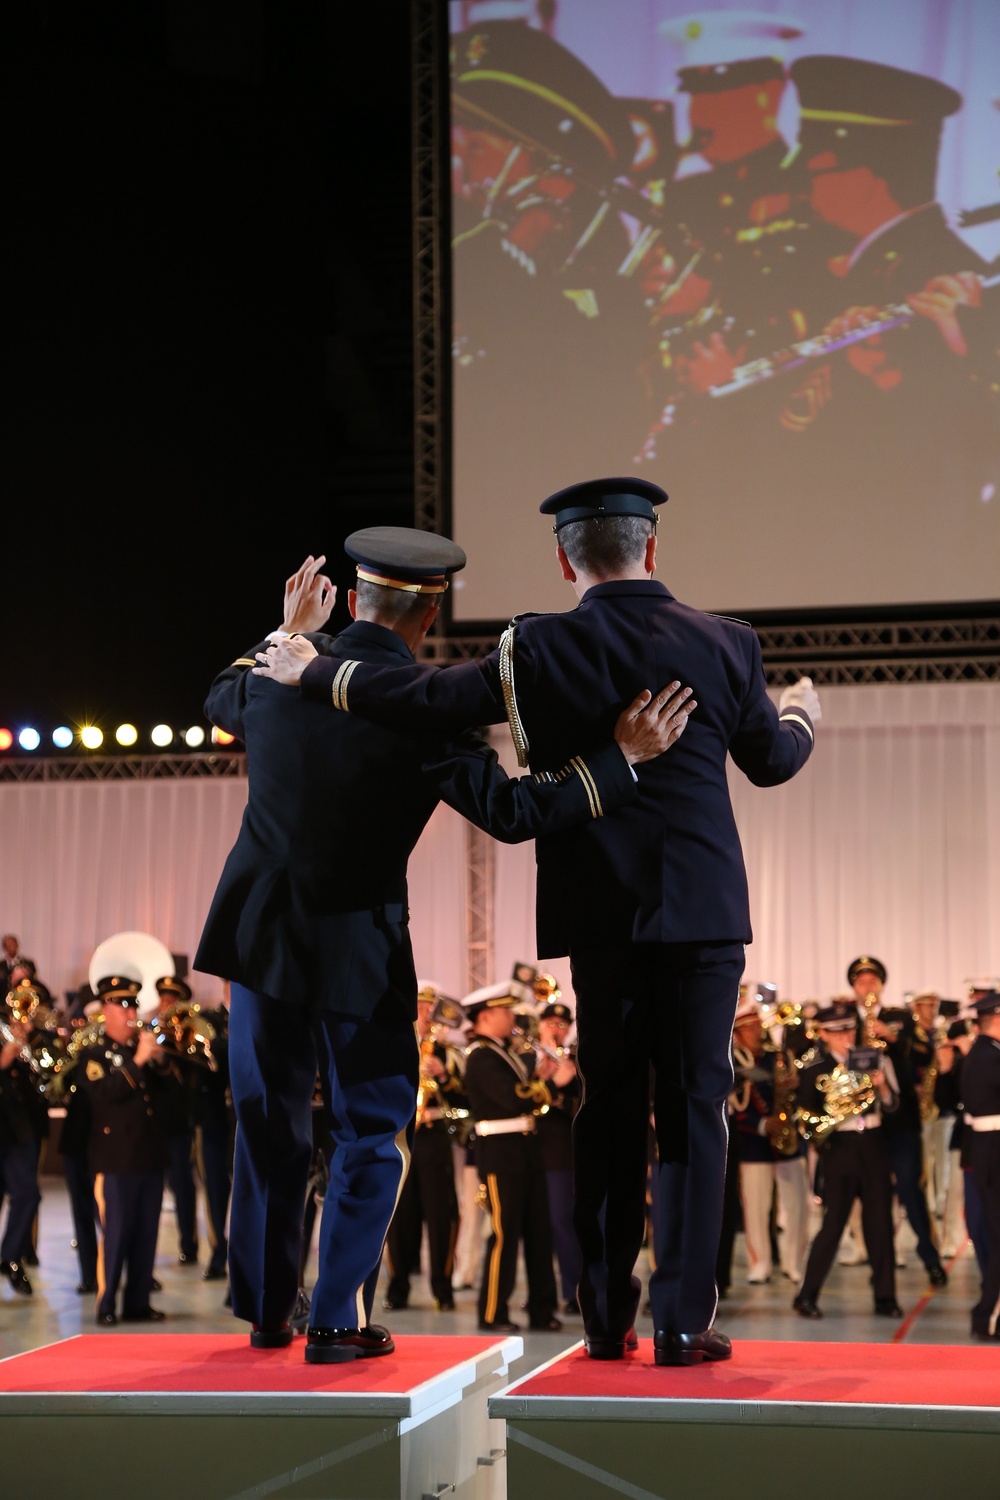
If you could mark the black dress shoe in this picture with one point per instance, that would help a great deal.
(983, 1336)
(547, 1325)
(395, 1304)
(144, 1315)
(154, 1285)
(14, 1272)
(214, 1273)
(271, 1338)
(690, 1348)
(938, 1276)
(188, 1258)
(29, 1258)
(106, 1320)
(603, 1346)
(86, 1285)
(500, 1328)
(887, 1307)
(444, 1304)
(334, 1346)
(806, 1308)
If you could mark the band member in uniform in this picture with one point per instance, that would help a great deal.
(774, 1176)
(556, 1064)
(309, 923)
(171, 992)
(653, 910)
(215, 1125)
(981, 1098)
(904, 1131)
(847, 1126)
(130, 1094)
(951, 1056)
(428, 1195)
(504, 1099)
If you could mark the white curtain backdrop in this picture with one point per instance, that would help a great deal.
(888, 841)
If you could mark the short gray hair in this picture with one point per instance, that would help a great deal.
(605, 544)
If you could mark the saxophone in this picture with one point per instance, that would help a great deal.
(446, 1013)
(925, 1088)
(786, 1139)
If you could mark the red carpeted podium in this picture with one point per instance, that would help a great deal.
(205, 1417)
(896, 1421)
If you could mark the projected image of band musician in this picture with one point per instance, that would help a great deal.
(722, 253)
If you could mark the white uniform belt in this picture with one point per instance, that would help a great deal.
(859, 1125)
(984, 1122)
(522, 1124)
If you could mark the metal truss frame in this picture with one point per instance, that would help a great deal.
(124, 767)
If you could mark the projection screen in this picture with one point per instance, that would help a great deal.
(751, 255)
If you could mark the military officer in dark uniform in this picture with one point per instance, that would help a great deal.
(981, 1099)
(505, 1098)
(651, 905)
(848, 1127)
(904, 1132)
(309, 923)
(869, 136)
(131, 1095)
(429, 1196)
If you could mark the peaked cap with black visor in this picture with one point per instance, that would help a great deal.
(597, 498)
(401, 557)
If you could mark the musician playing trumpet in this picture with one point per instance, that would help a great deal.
(854, 1157)
(130, 1092)
(556, 1064)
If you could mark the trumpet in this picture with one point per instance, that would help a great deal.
(45, 1052)
(183, 1033)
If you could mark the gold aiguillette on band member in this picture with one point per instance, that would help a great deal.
(517, 733)
(339, 689)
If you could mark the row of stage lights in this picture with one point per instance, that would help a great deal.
(126, 737)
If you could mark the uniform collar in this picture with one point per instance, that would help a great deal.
(623, 587)
(369, 633)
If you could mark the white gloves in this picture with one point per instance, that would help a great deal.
(803, 695)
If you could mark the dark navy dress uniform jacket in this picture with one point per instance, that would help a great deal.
(337, 806)
(668, 868)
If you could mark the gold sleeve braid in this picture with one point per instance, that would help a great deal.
(340, 682)
(517, 733)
